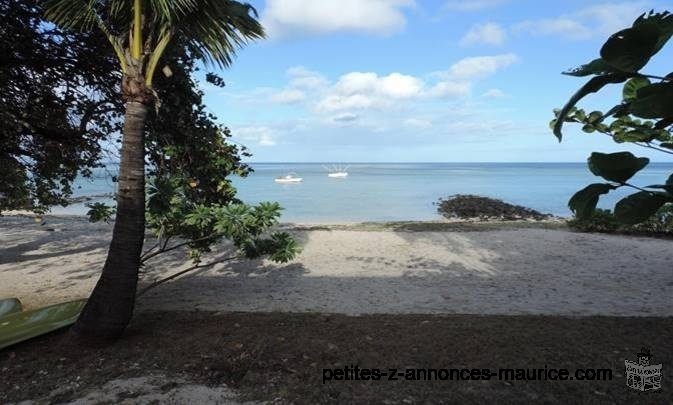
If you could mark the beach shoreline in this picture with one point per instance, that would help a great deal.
(437, 267)
(326, 223)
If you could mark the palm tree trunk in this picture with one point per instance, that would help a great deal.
(110, 307)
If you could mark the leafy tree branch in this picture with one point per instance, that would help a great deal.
(643, 117)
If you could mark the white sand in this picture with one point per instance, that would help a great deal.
(516, 271)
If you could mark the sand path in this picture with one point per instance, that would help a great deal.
(515, 271)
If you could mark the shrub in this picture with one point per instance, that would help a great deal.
(600, 221)
(659, 223)
(605, 221)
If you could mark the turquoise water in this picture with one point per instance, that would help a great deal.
(405, 191)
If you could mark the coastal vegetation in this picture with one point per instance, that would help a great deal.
(643, 117)
(68, 110)
(59, 107)
(605, 221)
(489, 286)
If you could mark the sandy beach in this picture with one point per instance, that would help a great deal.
(498, 270)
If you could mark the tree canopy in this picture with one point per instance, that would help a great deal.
(643, 117)
(190, 156)
(57, 107)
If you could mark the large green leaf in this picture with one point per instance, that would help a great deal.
(639, 206)
(583, 203)
(662, 21)
(591, 86)
(632, 86)
(595, 67)
(630, 49)
(25, 325)
(617, 167)
(653, 101)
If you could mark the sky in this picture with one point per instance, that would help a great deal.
(419, 80)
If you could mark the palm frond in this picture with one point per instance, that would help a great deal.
(213, 29)
(218, 28)
(84, 15)
(72, 14)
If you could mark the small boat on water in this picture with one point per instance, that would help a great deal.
(338, 174)
(288, 178)
(337, 171)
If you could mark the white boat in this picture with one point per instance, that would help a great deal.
(288, 178)
(338, 174)
(337, 171)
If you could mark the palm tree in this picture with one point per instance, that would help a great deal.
(140, 31)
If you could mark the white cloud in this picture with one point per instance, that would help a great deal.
(485, 126)
(363, 90)
(337, 103)
(417, 123)
(488, 33)
(608, 18)
(302, 81)
(563, 26)
(471, 5)
(283, 18)
(375, 102)
(266, 140)
(494, 93)
(288, 96)
(599, 20)
(395, 85)
(263, 135)
(480, 66)
(345, 118)
(302, 78)
(449, 89)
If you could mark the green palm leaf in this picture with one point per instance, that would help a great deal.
(214, 29)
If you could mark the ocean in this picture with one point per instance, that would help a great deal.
(402, 191)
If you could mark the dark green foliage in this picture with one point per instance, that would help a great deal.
(60, 103)
(659, 223)
(190, 198)
(653, 101)
(464, 206)
(592, 86)
(55, 109)
(632, 86)
(595, 67)
(640, 206)
(617, 167)
(604, 221)
(599, 220)
(99, 212)
(622, 57)
(583, 203)
(630, 49)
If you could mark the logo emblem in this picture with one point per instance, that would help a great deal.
(642, 376)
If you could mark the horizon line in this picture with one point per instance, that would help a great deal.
(412, 162)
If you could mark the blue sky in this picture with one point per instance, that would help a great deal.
(417, 81)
